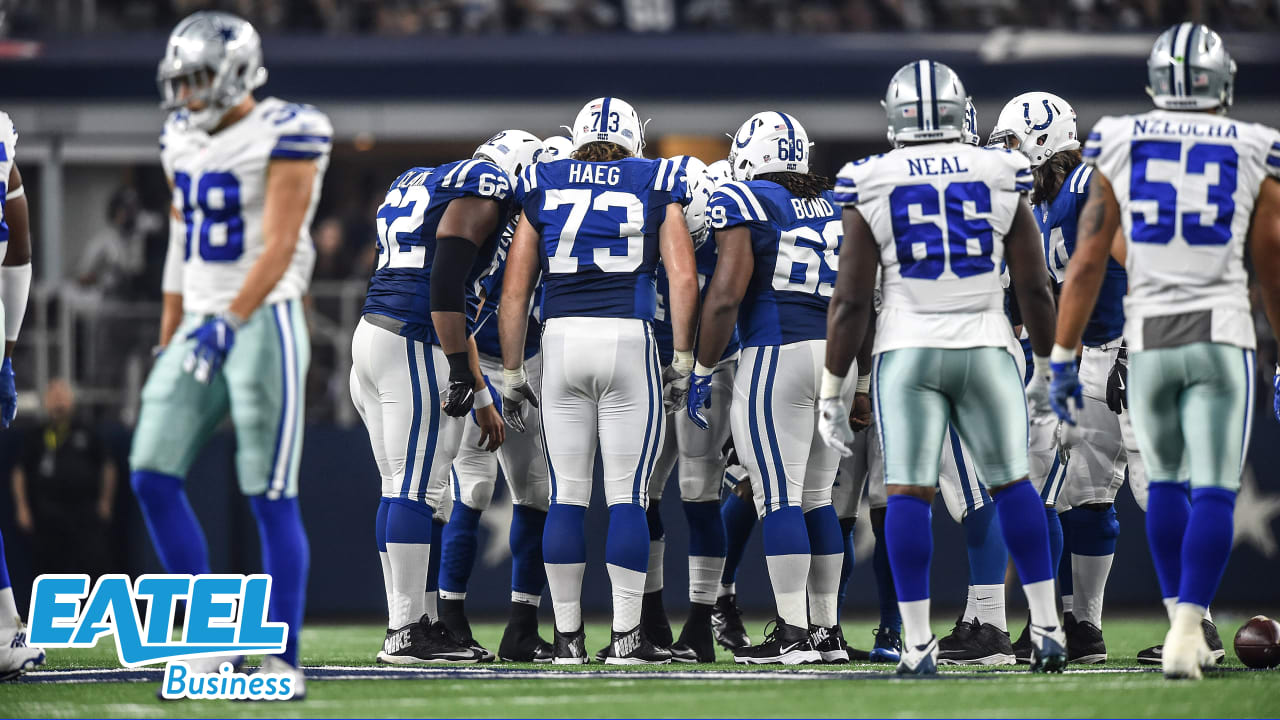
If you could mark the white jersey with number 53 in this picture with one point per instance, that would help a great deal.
(219, 188)
(1186, 183)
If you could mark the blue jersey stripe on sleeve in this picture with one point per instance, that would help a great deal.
(304, 138)
(1092, 152)
(1094, 137)
(288, 154)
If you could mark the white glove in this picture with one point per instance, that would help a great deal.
(516, 391)
(833, 425)
(1038, 390)
(675, 381)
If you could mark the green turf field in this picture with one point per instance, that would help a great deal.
(1111, 690)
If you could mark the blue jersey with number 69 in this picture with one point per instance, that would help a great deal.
(796, 243)
(939, 213)
(401, 285)
(598, 223)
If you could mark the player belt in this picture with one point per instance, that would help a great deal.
(389, 324)
(1108, 345)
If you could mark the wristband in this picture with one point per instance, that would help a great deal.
(16, 193)
(483, 399)
(1062, 355)
(682, 362)
(1041, 365)
(231, 319)
(514, 378)
(15, 286)
(863, 385)
(831, 385)
(702, 370)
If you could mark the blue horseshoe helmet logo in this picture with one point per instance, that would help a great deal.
(1026, 114)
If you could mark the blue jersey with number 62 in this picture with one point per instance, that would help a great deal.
(939, 213)
(796, 244)
(407, 221)
(598, 223)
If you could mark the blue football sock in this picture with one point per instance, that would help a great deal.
(787, 556)
(528, 575)
(909, 541)
(890, 617)
(458, 548)
(1054, 524)
(285, 557)
(1168, 512)
(988, 556)
(846, 567)
(739, 518)
(4, 567)
(175, 531)
(627, 543)
(706, 531)
(1026, 535)
(1066, 585)
(563, 541)
(1207, 545)
(433, 570)
(653, 522)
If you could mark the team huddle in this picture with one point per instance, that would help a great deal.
(1025, 324)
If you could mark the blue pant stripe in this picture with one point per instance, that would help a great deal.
(433, 430)
(415, 423)
(779, 470)
(1047, 491)
(659, 411)
(964, 475)
(754, 423)
(651, 430)
(1248, 407)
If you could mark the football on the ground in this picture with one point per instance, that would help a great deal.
(1258, 642)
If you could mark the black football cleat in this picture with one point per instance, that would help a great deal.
(632, 647)
(653, 620)
(522, 644)
(978, 644)
(783, 645)
(1085, 645)
(696, 643)
(570, 648)
(887, 647)
(829, 644)
(726, 623)
(1154, 655)
(425, 642)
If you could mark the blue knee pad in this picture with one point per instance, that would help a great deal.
(1093, 532)
(458, 547)
(286, 557)
(408, 521)
(627, 544)
(527, 572)
(784, 532)
(988, 556)
(823, 528)
(175, 531)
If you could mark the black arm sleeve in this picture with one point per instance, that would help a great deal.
(449, 270)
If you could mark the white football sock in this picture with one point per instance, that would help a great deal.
(429, 605)
(1089, 580)
(824, 586)
(386, 585)
(564, 580)
(628, 595)
(1068, 604)
(408, 582)
(8, 609)
(1170, 604)
(915, 622)
(1186, 619)
(1040, 601)
(789, 575)
(986, 603)
(526, 598)
(704, 578)
(730, 589)
(653, 581)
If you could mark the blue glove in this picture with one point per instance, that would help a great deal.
(1063, 388)
(699, 398)
(1274, 380)
(8, 394)
(213, 341)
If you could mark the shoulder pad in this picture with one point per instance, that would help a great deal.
(302, 132)
(733, 203)
(477, 177)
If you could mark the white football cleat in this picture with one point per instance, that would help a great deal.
(16, 656)
(920, 659)
(1185, 653)
(274, 665)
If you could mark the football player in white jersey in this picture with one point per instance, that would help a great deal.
(246, 177)
(16, 657)
(1190, 187)
(942, 217)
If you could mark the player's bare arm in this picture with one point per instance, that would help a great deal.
(288, 195)
(1264, 246)
(850, 312)
(15, 277)
(676, 250)
(728, 285)
(1030, 276)
(465, 226)
(513, 322)
(1099, 221)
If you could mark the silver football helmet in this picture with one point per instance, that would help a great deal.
(925, 103)
(214, 58)
(1190, 69)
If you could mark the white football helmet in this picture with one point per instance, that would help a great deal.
(1036, 124)
(556, 147)
(720, 173)
(769, 142)
(700, 188)
(609, 119)
(511, 150)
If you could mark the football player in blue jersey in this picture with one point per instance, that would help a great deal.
(940, 218)
(777, 233)
(523, 462)
(415, 372)
(596, 225)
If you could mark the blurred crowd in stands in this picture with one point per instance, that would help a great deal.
(21, 18)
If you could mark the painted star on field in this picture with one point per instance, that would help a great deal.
(1254, 513)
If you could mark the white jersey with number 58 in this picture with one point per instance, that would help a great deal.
(219, 188)
(1186, 184)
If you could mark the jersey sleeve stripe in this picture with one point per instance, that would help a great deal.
(304, 138)
(287, 154)
(845, 198)
(466, 170)
(662, 171)
(1094, 137)
(1091, 152)
(1023, 187)
(1273, 160)
(449, 178)
(751, 198)
(676, 171)
(732, 192)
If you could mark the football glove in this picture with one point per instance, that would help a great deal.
(1038, 404)
(213, 341)
(8, 394)
(461, 391)
(833, 425)
(516, 391)
(1118, 384)
(699, 398)
(1065, 390)
(675, 381)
